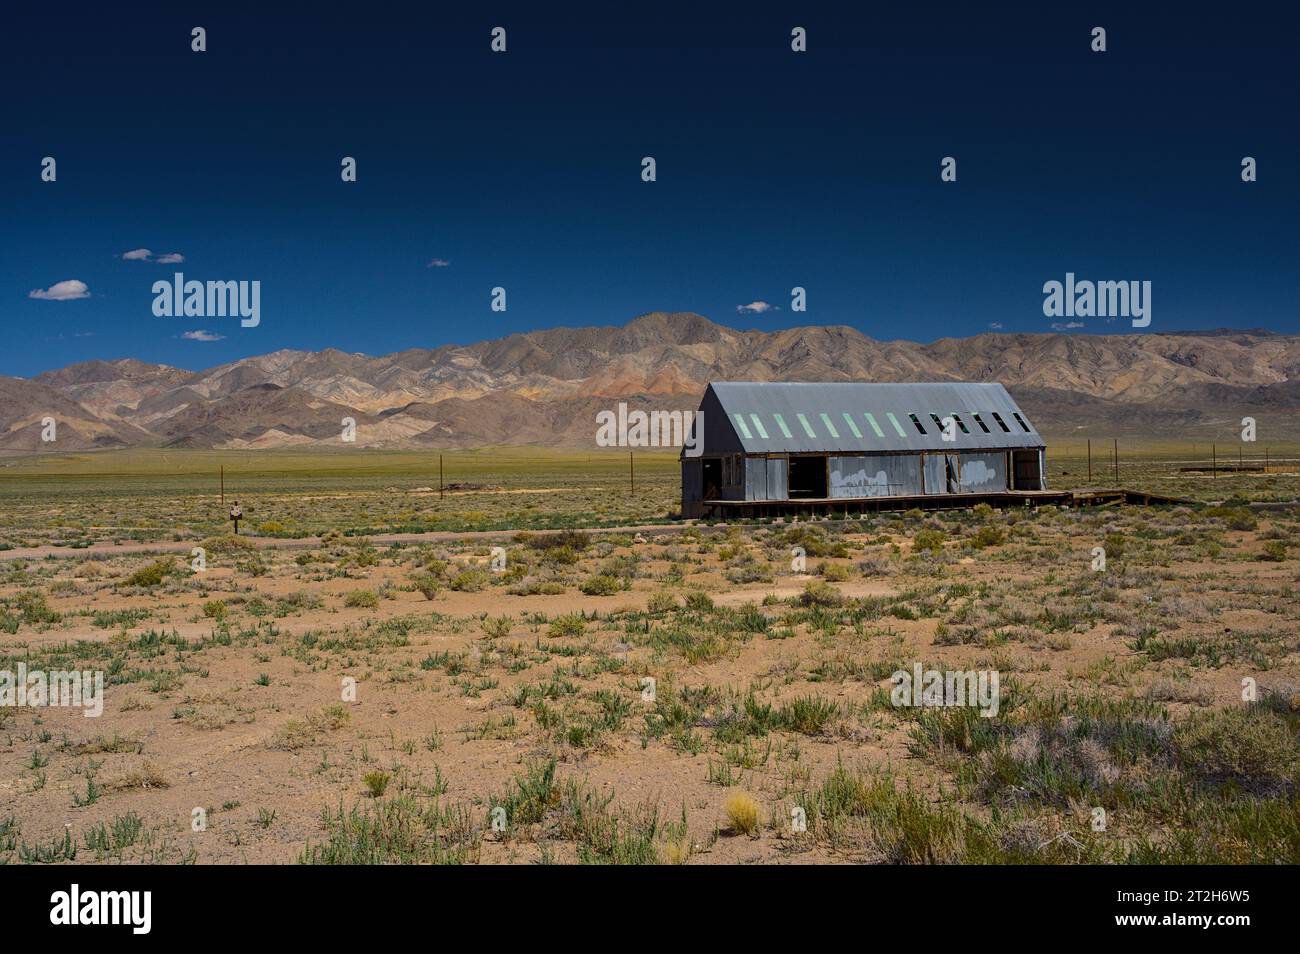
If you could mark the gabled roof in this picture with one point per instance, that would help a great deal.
(778, 417)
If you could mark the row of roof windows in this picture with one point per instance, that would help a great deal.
(802, 420)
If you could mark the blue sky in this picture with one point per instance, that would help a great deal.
(522, 170)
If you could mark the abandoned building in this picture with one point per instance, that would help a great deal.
(767, 448)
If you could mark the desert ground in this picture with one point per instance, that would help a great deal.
(541, 665)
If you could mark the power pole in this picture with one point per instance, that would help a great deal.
(1116, 462)
(631, 471)
(1214, 462)
(1090, 462)
(223, 485)
(439, 476)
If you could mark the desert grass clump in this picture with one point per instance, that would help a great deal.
(151, 575)
(401, 830)
(569, 625)
(742, 813)
(808, 715)
(376, 783)
(363, 599)
(929, 540)
(819, 593)
(1255, 748)
(428, 585)
(470, 581)
(299, 733)
(602, 584)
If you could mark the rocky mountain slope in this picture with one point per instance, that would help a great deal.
(545, 387)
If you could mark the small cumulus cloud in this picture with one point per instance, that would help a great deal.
(69, 290)
(201, 335)
(1066, 326)
(438, 263)
(756, 308)
(146, 255)
(995, 326)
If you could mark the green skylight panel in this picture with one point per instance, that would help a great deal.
(758, 426)
(874, 426)
(826, 419)
(744, 428)
(780, 422)
(893, 420)
(807, 428)
(852, 426)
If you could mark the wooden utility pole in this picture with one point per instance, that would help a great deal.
(439, 476)
(223, 485)
(1214, 461)
(1090, 462)
(631, 471)
(1117, 462)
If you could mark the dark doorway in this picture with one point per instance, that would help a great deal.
(712, 482)
(1026, 471)
(808, 478)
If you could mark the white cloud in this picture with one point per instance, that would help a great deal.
(1058, 326)
(995, 326)
(438, 263)
(61, 291)
(146, 255)
(201, 335)
(756, 308)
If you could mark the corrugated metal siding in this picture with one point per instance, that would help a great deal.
(852, 418)
(756, 478)
(778, 484)
(941, 473)
(982, 473)
(875, 476)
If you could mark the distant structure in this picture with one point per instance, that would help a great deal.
(770, 448)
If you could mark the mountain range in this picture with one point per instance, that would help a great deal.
(545, 387)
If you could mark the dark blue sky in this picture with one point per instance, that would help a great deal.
(522, 170)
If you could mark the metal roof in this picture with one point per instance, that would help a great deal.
(779, 417)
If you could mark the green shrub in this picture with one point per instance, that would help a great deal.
(1274, 551)
(365, 599)
(470, 581)
(150, 575)
(570, 624)
(426, 584)
(601, 585)
(931, 540)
